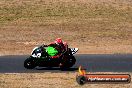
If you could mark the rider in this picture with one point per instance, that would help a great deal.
(60, 46)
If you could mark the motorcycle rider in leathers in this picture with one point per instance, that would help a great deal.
(60, 46)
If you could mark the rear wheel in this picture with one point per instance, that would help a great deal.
(29, 63)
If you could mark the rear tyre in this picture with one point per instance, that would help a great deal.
(29, 63)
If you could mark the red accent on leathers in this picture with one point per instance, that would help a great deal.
(54, 57)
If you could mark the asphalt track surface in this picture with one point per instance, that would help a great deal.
(90, 62)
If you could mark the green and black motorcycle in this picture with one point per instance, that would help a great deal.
(41, 56)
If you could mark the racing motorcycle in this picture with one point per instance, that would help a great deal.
(40, 57)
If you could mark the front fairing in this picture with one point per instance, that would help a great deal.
(36, 52)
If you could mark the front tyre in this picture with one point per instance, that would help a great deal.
(68, 62)
(29, 63)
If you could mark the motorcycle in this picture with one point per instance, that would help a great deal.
(40, 57)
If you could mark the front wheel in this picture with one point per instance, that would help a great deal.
(68, 62)
(29, 63)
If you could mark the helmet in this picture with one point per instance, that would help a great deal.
(58, 40)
